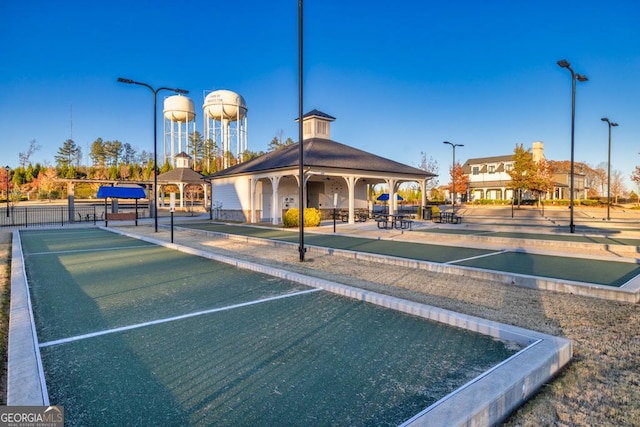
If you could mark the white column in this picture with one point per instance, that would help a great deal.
(275, 202)
(252, 199)
(351, 184)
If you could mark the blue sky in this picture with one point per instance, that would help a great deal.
(400, 77)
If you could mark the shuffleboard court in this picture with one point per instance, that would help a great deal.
(580, 270)
(419, 251)
(609, 273)
(558, 237)
(145, 335)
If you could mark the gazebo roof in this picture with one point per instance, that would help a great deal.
(321, 153)
(186, 175)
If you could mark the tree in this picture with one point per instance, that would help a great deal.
(542, 181)
(522, 172)
(635, 177)
(97, 154)
(69, 154)
(617, 185)
(129, 154)
(196, 148)
(113, 151)
(24, 157)
(459, 178)
(431, 166)
(277, 142)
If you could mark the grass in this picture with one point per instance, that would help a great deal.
(5, 290)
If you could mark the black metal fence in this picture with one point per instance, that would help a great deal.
(39, 216)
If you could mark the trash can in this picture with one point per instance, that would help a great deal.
(426, 213)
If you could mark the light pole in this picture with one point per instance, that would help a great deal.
(453, 174)
(301, 183)
(155, 137)
(7, 170)
(582, 78)
(605, 119)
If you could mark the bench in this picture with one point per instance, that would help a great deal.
(90, 217)
(124, 216)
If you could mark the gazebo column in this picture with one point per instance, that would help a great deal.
(275, 205)
(181, 188)
(393, 202)
(351, 185)
(423, 190)
(252, 199)
(205, 189)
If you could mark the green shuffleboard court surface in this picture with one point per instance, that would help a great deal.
(417, 251)
(135, 334)
(594, 271)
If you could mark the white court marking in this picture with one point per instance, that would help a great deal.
(172, 319)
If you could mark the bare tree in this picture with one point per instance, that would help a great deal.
(617, 185)
(25, 157)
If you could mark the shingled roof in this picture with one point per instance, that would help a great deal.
(320, 153)
(181, 175)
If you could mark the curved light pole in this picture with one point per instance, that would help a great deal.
(611, 124)
(581, 78)
(155, 137)
(7, 170)
(453, 174)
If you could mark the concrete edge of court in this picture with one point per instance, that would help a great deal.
(25, 378)
(487, 399)
(629, 292)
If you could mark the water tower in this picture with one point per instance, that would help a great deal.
(179, 115)
(225, 121)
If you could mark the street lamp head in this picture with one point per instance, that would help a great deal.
(581, 77)
(605, 119)
(7, 168)
(614, 124)
(181, 91)
(122, 80)
(563, 63)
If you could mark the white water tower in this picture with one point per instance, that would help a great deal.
(179, 116)
(225, 121)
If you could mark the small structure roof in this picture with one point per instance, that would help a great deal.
(320, 153)
(186, 175)
(120, 192)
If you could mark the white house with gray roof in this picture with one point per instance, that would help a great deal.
(263, 188)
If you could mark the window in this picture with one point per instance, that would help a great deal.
(475, 170)
(322, 128)
(492, 168)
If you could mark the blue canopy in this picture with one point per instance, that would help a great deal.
(121, 192)
(385, 197)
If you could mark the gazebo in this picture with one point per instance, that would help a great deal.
(182, 177)
(263, 188)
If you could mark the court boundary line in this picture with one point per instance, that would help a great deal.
(173, 318)
(455, 261)
(79, 251)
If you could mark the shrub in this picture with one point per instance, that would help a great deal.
(291, 218)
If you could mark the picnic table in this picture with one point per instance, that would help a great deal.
(397, 221)
(447, 217)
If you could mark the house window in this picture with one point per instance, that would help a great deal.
(475, 170)
(492, 168)
(508, 166)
